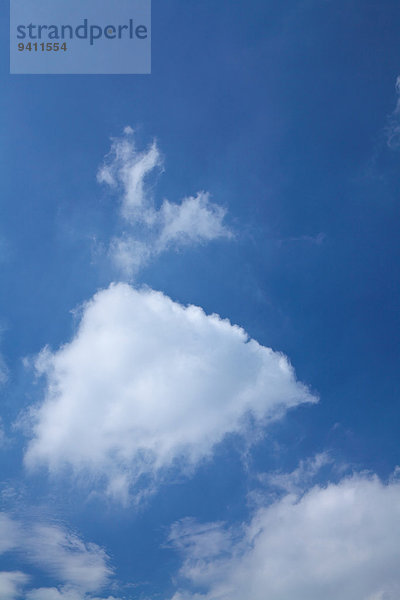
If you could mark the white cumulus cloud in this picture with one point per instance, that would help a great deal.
(153, 230)
(339, 541)
(147, 384)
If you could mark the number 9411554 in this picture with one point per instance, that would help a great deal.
(42, 47)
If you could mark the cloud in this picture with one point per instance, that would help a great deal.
(316, 240)
(393, 127)
(196, 220)
(126, 169)
(129, 255)
(61, 594)
(66, 557)
(9, 533)
(198, 540)
(338, 541)
(11, 584)
(147, 384)
(56, 551)
(3, 371)
(153, 230)
(5, 441)
(3, 437)
(301, 477)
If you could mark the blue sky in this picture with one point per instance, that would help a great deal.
(151, 452)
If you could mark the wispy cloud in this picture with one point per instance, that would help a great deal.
(3, 437)
(153, 230)
(301, 477)
(12, 584)
(66, 557)
(9, 533)
(3, 371)
(331, 542)
(63, 593)
(393, 127)
(61, 554)
(317, 239)
(148, 384)
(126, 170)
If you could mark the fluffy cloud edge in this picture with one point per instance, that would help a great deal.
(338, 540)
